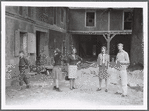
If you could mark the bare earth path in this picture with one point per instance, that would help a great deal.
(41, 93)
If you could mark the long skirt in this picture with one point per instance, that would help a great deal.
(103, 72)
(57, 73)
(72, 71)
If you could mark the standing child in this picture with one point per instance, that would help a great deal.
(73, 61)
(23, 66)
(57, 74)
(103, 62)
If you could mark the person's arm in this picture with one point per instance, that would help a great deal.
(117, 63)
(26, 61)
(99, 60)
(116, 59)
(68, 60)
(126, 59)
(108, 60)
(80, 59)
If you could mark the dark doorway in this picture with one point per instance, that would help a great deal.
(89, 45)
(37, 43)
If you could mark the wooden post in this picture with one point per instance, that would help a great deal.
(108, 38)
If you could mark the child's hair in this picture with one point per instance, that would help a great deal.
(21, 51)
(103, 47)
(74, 49)
(120, 44)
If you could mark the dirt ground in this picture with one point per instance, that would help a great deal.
(41, 92)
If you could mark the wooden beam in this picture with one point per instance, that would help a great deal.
(108, 20)
(108, 38)
(104, 37)
(112, 36)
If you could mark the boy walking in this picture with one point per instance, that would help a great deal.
(23, 65)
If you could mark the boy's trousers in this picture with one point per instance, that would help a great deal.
(122, 81)
(22, 76)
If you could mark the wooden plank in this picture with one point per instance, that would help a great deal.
(17, 43)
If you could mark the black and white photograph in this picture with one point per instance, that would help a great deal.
(74, 55)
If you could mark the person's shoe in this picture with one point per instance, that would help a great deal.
(54, 88)
(98, 89)
(59, 90)
(74, 88)
(106, 90)
(118, 93)
(124, 95)
(27, 86)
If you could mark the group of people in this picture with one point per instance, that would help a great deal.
(103, 61)
(121, 64)
(72, 61)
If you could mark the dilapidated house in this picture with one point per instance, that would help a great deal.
(39, 30)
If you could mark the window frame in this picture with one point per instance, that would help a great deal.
(94, 11)
(123, 24)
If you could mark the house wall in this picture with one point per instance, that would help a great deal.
(12, 25)
(29, 21)
(137, 43)
(105, 20)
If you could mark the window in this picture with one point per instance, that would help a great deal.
(127, 20)
(62, 15)
(90, 18)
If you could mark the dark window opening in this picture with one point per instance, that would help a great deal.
(90, 19)
(127, 21)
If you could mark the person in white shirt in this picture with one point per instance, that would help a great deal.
(103, 63)
(122, 61)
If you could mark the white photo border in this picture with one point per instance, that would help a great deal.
(143, 5)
